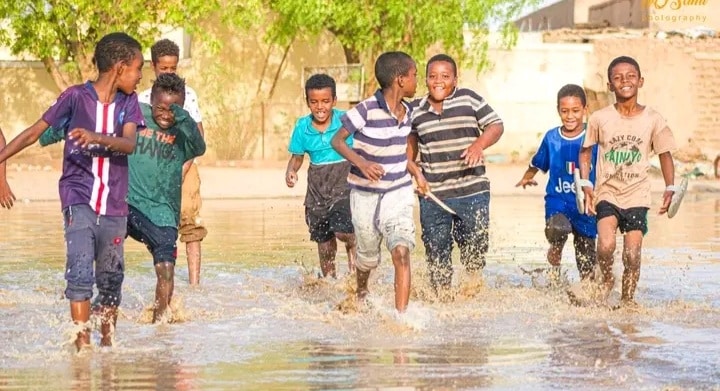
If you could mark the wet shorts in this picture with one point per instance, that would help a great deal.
(160, 241)
(630, 219)
(99, 239)
(323, 224)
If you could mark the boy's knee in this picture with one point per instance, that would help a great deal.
(558, 228)
(165, 271)
(110, 289)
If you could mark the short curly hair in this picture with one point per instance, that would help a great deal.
(318, 82)
(169, 83)
(162, 48)
(390, 65)
(114, 48)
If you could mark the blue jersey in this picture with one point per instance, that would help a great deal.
(558, 156)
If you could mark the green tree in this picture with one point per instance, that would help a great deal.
(62, 33)
(366, 28)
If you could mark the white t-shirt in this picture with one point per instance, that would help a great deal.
(191, 102)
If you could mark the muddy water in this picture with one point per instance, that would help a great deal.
(260, 321)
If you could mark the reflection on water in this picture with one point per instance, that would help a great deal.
(259, 322)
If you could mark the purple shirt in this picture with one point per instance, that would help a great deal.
(94, 175)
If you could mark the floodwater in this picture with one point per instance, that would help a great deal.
(260, 321)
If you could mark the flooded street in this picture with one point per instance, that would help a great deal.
(259, 321)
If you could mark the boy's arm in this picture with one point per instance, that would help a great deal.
(371, 171)
(412, 150)
(585, 159)
(527, 178)
(52, 135)
(293, 166)
(6, 195)
(23, 140)
(667, 166)
(124, 144)
(193, 142)
(474, 155)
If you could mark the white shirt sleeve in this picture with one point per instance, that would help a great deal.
(144, 97)
(191, 104)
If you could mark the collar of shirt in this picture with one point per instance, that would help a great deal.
(334, 123)
(383, 105)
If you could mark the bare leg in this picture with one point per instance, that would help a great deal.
(350, 248)
(362, 283)
(326, 252)
(607, 228)
(632, 249)
(80, 314)
(585, 256)
(165, 272)
(554, 254)
(108, 319)
(194, 255)
(401, 261)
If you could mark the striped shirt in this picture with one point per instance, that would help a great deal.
(380, 138)
(443, 138)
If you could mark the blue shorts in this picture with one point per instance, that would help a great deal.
(160, 241)
(94, 239)
(583, 224)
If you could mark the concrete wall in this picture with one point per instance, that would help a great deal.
(621, 13)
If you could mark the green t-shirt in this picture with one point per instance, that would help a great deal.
(156, 164)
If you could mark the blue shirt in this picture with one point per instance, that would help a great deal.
(306, 139)
(558, 156)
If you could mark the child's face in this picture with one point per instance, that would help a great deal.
(625, 80)
(440, 80)
(571, 112)
(165, 64)
(161, 111)
(129, 74)
(321, 102)
(409, 82)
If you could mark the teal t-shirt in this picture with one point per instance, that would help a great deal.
(155, 179)
(306, 139)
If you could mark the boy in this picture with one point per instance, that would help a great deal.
(557, 156)
(327, 200)
(381, 192)
(170, 139)
(98, 120)
(6, 195)
(165, 56)
(627, 133)
(451, 128)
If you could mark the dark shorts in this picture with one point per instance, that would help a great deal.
(324, 224)
(94, 239)
(630, 219)
(160, 241)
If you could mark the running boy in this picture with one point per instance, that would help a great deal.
(165, 56)
(99, 120)
(327, 200)
(170, 139)
(6, 195)
(381, 192)
(557, 156)
(627, 133)
(451, 129)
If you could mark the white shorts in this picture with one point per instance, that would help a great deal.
(378, 216)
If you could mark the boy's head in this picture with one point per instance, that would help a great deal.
(572, 106)
(440, 76)
(164, 56)
(397, 69)
(624, 77)
(120, 55)
(320, 95)
(167, 89)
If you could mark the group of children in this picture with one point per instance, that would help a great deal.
(124, 165)
(598, 174)
(125, 160)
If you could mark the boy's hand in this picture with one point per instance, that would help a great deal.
(83, 137)
(474, 156)
(291, 178)
(589, 201)
(372, 171)
(526, 182)
(6, 195)
(179, 113)
(667, 198)
(422, 187)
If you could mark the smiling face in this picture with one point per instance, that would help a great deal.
(165, 64)
(161, 111)
(321, 102)
(572, 112)
(625, 81)
(130, 74)
(440, 80)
